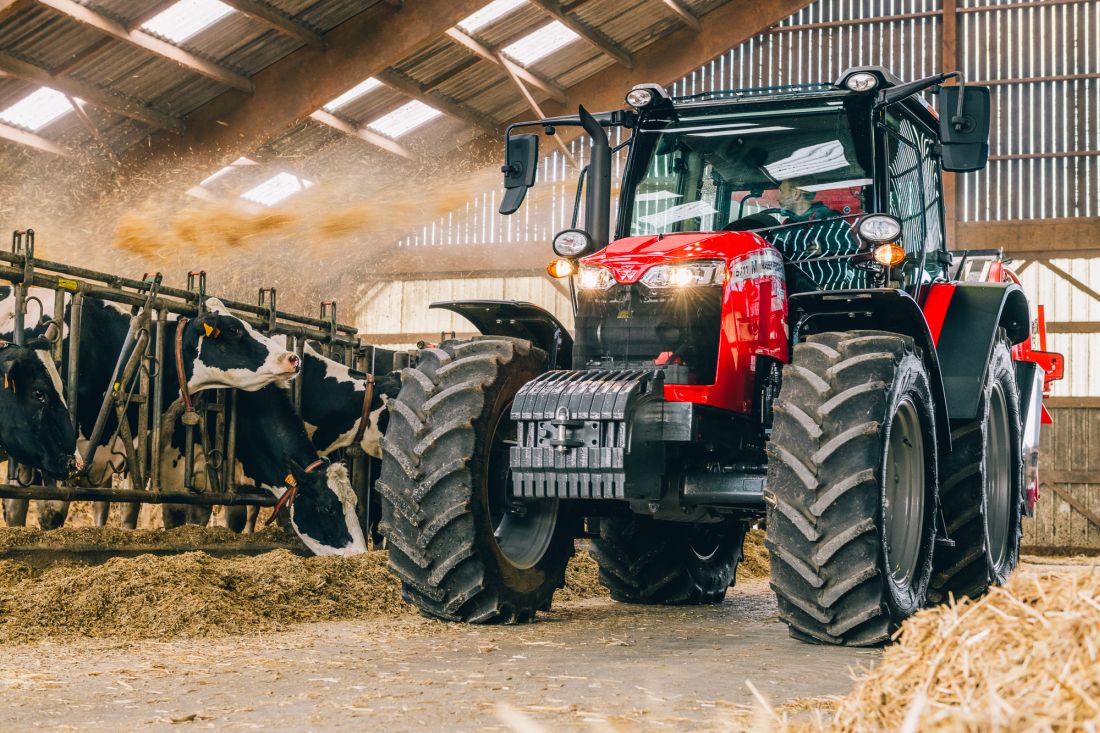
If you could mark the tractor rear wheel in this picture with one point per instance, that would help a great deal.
(674, 563)
(852, 487)
(464, 549)
(982, 493)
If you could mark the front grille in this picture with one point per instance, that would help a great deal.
(632, 325)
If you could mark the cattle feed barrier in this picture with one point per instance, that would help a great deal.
(137, 389)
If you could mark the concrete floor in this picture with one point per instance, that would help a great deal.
(591, 665)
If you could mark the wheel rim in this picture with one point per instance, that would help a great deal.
(904, 494)
(998, 478)
(523, 529)
(705, 542)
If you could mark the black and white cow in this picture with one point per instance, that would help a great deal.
(272, 445)
(218, 350)
(332, 409)
(35, 429)
(332, 404)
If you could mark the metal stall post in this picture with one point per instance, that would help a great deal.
(15, 510)
(158, 399)
(328, 311)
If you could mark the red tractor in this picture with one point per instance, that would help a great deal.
(778, 332)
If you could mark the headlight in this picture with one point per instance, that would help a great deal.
(861, 82)
(571, 243)
(638, 98)
(594, 277)
(685, 275)
(879, 228)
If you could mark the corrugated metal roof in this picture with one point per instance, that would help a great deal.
(239, 43)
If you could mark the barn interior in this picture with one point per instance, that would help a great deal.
(328, 169)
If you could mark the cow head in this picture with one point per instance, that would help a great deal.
(230, 353)
(34, 422)
(323, 513)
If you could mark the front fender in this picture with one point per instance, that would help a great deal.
(874, 310)
(517, 319)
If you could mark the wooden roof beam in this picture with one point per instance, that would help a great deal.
(292, 88)
(274, 18)
(597, 39)
(412, 88)
(363, 133)
(147, 42)
(103, 99)
(684, 14)
(22, 137)
(493, 56)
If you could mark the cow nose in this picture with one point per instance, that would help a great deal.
(294, 361)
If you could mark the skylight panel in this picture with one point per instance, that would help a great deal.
(278, 188)
(236, 164)
(491, 12)
(352, 94)
(186, 18)
(404, 119)
(540, 43)
(37, 109)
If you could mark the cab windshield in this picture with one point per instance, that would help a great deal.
(793, 173)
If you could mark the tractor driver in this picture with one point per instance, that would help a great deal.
(811, 230)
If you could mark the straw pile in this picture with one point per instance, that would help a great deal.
(1025, 657)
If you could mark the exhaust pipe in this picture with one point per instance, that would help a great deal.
(597, 202)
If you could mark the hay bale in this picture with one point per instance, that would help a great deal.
(194, 595)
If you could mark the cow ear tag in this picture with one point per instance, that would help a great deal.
(211, 331)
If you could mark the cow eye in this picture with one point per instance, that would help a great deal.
(40, 396)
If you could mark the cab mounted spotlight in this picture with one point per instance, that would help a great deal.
(645, 97)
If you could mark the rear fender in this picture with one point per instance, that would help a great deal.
(517, 319)
(968, 333)
(875, 310)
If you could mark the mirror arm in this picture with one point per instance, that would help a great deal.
(896, 94)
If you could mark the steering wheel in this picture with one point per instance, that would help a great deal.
(739, 225)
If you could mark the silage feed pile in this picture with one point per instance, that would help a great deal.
(193, 594)
(755, 562)
(186, 536)
(196, 595)
(1025, 657)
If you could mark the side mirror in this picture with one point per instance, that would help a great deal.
(521, 160)
(964, 133)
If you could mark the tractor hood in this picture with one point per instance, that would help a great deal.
(630, 257)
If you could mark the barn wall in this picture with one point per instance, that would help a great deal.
(1070, 461)
(399, 307)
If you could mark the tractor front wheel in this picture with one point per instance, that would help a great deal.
(852, 487)
(463, 547)
(673, 563)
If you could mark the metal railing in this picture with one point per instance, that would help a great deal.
(136, 389)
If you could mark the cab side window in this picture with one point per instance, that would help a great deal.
(915, 194)
(907, 187)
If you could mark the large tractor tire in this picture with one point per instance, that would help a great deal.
(462, 547)
(673, 563)
(982, 492)
(852, 487)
